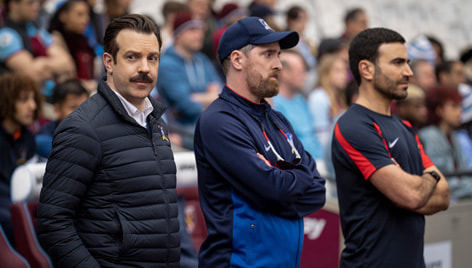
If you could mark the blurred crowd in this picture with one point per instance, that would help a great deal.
(50, 63)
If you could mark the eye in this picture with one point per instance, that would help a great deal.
(154, 58)
(131, 57)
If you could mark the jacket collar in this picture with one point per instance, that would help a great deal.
(107, 93)
(258, 109)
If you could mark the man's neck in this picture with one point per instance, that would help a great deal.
(184, 53)
(11, 126)
(370, 98)
(240, 87)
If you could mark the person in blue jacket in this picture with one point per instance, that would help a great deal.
(255, 180)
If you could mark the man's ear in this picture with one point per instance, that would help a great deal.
(237, 59)
(108, 62)
(366, 70)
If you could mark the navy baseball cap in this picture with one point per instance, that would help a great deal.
(254, 31)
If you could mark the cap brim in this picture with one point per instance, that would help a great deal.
(286, 39)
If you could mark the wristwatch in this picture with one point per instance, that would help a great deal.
(434, 174)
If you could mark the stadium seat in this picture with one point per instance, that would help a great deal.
(23, 216)
(8, 256)
(194, 218)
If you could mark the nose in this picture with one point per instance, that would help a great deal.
(408, 72)
(32, 104)
(278, 64)
(144, 66)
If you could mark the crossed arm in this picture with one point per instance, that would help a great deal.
(421, 194)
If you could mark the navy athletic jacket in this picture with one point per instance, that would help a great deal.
(253, 211)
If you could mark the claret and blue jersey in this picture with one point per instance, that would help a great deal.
(377, 233)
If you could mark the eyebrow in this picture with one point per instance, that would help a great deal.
(400, 60)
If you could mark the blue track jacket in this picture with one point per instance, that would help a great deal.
(253, 211)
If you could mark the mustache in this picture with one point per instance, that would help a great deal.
(406, 79)
(274, 74)
(142, 77)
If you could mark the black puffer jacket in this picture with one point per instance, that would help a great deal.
(108, 197)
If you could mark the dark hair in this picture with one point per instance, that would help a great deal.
(69, 87)
(135, 22)
(171, 7)
(55, 24)
(443, 67)
(294, 12)
(435, 42)
(351, 14)
(11, 86)
(437, 96)
(365, 46)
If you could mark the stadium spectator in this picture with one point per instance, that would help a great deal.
(466, 59)
(255, 180)
(423, 74)
(328, 100)
(68, 25)
(187, 79)
(450, 73)
(355, 21)
(420, 48)
(20, 103)
(169, 9)
(293, 105)
(385, 182)
(66, 97)
(413, 108)
(440, 141)
(296, 20)
(31, 51)
(108, 197)
(201, 10)
(438, 49)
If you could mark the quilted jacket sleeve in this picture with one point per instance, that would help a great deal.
(70, 169)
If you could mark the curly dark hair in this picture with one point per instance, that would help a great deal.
(365, 46)
(11, 86)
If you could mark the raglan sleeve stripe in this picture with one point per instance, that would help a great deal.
(364, 165)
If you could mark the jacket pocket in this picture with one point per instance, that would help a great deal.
(123, 236)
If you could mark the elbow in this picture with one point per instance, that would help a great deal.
(414, 202)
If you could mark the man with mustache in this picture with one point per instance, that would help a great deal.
(385, 181)
(109, 197)
(256, 181)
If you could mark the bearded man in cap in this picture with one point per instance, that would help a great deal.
(255, 179)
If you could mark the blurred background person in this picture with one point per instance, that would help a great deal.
(293, 105)
(440, 142)
(187, 81)
(355, 21)
(202, 10)
(413, 107)
(450, 73)
(423, 74)
(66, 97)
(327, 102)
(169, 9)
(20, 104)
(296, 19)
(438, 49)
(29, 50)
(68, 26)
